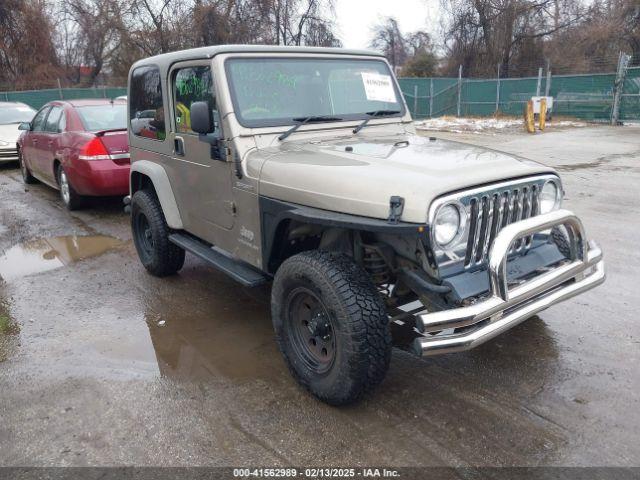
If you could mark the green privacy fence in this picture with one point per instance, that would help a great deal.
(586, 96)
(37, 98)
(630, 101)
(589, 96)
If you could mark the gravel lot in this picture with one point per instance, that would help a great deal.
(102, 364)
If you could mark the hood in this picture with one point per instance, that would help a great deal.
(9, 133)
(358, 175)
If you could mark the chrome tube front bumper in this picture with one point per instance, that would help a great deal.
(505, 308)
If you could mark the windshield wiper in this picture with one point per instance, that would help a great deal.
(304, 120)
(372, 115)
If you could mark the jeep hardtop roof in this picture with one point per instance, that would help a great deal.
(166, 59)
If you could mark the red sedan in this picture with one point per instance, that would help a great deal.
(79, 147)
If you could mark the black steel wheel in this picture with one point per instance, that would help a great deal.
(331, 326)
(311, 329)
(143, 236)
(151, 236)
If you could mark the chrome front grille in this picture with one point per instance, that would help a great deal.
(491, 212)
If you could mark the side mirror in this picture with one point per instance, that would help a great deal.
(201, 118)
(24, 126)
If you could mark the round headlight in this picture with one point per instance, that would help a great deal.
(549, 197)
(448, 223)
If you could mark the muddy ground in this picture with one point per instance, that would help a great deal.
(102, 364)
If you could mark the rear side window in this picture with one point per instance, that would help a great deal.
(103, 117)
(146, 106)
(191, 84)
(37, 125)
(53, 119)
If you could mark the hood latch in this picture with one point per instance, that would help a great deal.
(396, 206)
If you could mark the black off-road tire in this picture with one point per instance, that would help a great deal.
(26, 173)
(151, 236)
(358, 318)
(70, 198)
(561, 241)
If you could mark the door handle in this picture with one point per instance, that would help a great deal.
(50, 142)
(35, 141)
(178, 146)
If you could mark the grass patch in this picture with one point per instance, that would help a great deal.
(7, 327)
(5, 323)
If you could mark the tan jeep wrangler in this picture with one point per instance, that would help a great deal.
(301, 167)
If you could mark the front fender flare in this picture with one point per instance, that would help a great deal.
(160, 180)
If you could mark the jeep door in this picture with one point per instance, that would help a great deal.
(202, 177)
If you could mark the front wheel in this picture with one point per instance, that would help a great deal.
(151, 236)
(331, 326)
(26, 173)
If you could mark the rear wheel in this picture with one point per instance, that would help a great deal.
(331, 326)
(71, 199)
(26, 173)
(151, 236)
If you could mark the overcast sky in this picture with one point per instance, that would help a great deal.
(354, 18)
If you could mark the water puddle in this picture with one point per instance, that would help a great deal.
(229, 334)
(582, 166)
(44, 254)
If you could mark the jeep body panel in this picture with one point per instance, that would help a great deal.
(160, 180)
(329, 173)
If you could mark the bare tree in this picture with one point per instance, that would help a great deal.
(303, 22)
(85, 40)
(99, 23)
(387, 37)
(27, 54)
(483, 33)
(629, 15)
(422, 61)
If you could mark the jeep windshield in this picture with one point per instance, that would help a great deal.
(276, 91)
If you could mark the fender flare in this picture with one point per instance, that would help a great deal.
(160, 180)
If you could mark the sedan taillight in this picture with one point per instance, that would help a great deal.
(94, 149)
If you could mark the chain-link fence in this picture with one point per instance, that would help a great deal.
(586, 96)
(37, 98)
(630, 97)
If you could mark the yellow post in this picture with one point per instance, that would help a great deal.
(543, 113)
(528, 117)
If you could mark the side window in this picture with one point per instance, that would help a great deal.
(53, 119)
(146, 107)
(37, 124)
(192, 84)
(62, 124)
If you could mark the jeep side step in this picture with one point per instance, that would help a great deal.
(238, 270)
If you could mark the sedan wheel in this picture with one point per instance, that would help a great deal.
(64, 187)
(70, 198)
(26, 174)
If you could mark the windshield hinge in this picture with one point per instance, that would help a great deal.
(396, 206)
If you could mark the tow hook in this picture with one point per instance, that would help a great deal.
(396, 206)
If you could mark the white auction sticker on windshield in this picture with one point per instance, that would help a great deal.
(378, 88)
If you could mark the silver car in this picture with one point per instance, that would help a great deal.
(12, 114)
